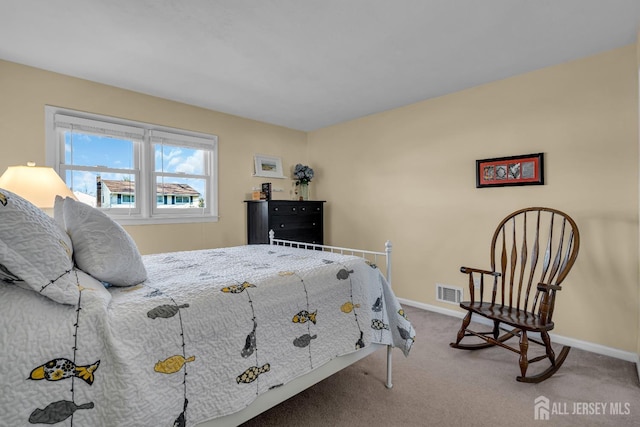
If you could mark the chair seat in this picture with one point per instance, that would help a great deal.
(511, 316)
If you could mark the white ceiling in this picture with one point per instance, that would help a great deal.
(306, 64)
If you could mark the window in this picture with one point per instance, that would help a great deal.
(135, 172)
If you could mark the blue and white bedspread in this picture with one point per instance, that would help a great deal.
(206, 333)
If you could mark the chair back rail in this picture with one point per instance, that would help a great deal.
(531, 246)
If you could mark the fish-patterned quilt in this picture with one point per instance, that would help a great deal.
(208, 332)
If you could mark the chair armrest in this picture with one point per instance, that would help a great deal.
(546, 288)
(469, 270)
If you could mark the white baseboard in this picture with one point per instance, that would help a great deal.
(582, 345)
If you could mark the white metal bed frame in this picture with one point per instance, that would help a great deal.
(278, 395)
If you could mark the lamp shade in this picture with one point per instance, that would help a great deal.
(39, 185)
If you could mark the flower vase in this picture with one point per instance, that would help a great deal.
(304, 191)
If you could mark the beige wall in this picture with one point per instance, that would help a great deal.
(638, 67)
(408, 175)
(24, 92)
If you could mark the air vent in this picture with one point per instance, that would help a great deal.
(450, 294)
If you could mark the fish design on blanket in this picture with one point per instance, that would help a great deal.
(360, 342)
(304, 340)
(343, 274)
(132, 288)
(251, 374)
(405, 335)
(348, 307)
(172, 364)
(155, 293)
(377, 306)
(304, 315)
(250, 343)
(403, 314)
(236, 289)
(165, 311)
(3, 199)
(7, 276)
(181, 421)
(327, 261)
(378, 325)
(286, 273)
(56, 412)
(61, 368)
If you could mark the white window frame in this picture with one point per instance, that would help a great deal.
(146, 211)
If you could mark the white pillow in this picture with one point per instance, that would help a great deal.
(35, 251)
(91, 284)
(58, 212)
(102, 247)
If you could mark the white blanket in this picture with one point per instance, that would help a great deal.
(201, 338)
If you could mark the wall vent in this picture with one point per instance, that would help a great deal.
(450, 294)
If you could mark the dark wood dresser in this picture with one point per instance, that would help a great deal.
(301, 221)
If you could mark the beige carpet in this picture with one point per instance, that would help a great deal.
(440, 386)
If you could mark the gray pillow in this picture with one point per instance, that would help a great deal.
(102, 248)
(35, 253)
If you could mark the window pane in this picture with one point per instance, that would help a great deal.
(105, 190)
(179, 159)
(174, 192)
(85, 149)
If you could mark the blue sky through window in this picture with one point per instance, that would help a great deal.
(84, 149)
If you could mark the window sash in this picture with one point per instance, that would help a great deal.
(98, 127)
(106, 206)
(160, 139)
(144, 137)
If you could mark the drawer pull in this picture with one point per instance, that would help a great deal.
(281, 225)
(303, 209)
(276, 209)
(293, 209)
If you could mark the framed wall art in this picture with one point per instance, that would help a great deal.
(266, 166)
(526, 169)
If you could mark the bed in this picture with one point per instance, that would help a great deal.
(93, 333)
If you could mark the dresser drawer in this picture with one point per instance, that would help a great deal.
(295, 222)
(302, 236)
(294, 208)
(283, 209)
(310, 209)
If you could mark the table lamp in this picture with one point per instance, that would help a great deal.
(39, 185)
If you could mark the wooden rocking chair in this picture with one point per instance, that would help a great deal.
(532, 251)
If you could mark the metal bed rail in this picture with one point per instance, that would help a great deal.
(371, 256)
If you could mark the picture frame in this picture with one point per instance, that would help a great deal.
(266, 190)
(268, 166)
(525, 169)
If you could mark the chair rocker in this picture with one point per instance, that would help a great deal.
(532, 251)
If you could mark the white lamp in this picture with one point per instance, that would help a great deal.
(39, 185)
